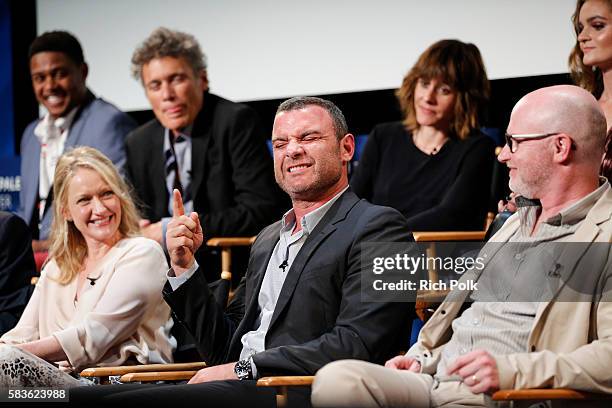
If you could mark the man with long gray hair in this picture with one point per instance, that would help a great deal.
(210, 149)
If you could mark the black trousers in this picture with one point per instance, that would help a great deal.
(230, 393)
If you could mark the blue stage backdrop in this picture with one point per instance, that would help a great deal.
(9, 163)
(10, 183)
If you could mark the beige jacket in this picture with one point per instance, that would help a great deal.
(570, 344)
(121, 316)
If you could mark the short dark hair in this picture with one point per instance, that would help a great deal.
(58, 41)
(300, 102)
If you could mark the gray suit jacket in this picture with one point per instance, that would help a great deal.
(319, 316)
(97, 124)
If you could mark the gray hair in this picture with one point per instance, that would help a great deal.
(164, 42)
(301, 102)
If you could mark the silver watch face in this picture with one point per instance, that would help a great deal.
(243, 369)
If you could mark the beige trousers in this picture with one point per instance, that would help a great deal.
(353, 383)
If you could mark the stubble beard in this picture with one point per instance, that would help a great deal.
(531, 184)
(323, 180)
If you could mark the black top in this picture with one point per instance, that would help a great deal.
(446, 191)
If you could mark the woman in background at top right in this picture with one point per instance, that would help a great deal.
(590, 61)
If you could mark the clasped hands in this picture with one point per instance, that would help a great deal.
(184, 236)
(477, 369)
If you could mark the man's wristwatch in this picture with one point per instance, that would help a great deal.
(243, 369)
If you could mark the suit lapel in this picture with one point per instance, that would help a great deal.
(74, 134)
(324, 228)
(156, 160)
(31, 172)
(510, 226)
(33, 169)
(200, 141)
(199, 147)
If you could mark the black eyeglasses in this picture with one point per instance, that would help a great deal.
(512, 140)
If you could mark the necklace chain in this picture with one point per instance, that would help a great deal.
(427, 150)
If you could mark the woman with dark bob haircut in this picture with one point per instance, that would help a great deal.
(434, 167)
(590, 61)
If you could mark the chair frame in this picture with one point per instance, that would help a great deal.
(543, 394)
(105, 373)
(226, 244)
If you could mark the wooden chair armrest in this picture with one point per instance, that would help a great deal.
(426, 302)
(226, 244)
(158, 376)
(428, 236)
(432, 296)
(140, 368)
(547, 394)
(230, 241)
(286, 381)
(282, 383)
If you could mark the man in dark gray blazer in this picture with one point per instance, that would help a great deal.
(299, 305)
(75, 117)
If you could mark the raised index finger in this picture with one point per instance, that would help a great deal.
(177, 204)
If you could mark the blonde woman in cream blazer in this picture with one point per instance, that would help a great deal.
(98, 301)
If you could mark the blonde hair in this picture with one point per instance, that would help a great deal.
(589, 78)
(459, 65)
(68, 247)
